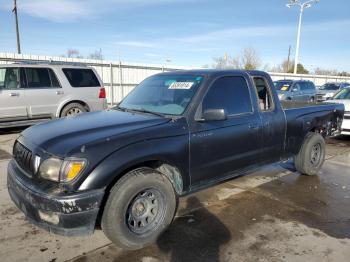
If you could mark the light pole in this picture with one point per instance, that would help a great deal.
(14, 10)
(302, 7)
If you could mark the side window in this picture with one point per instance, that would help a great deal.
(38, 78)
(2, 77)
(312, 86)
(304, 86)
(264, 94)
(10, 78)
(229, 93)
(81, 77)
(54, 81)
(297, 87)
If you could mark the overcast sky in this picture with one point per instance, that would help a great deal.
(188, 32)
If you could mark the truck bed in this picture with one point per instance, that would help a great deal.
(286, 105)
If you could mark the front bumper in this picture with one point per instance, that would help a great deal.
(60, 213)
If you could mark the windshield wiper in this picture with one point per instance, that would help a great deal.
(119, 108)
(142, 110)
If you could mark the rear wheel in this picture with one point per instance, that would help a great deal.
(311, 156)
(73, 109)
(141, 205)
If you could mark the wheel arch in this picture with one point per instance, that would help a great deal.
(170, 171)
(66, 103)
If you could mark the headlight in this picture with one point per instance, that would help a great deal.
(50, 169)
(55, 169)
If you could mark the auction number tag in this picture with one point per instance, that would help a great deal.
(285, 88)
(181, 85)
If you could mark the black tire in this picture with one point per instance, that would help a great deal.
(73, 107)
(122, 213)
(311, 155)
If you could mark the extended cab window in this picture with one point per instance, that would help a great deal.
(229, 93)
(81, 77)
(264, 94)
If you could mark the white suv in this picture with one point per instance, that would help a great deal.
(31, 93)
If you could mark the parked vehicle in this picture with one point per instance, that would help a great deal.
(343, 97)
(328, 90)
(174, 134)
(31, 93)
(297, 90)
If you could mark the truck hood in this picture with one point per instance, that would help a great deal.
(324, 92)
(63, 136)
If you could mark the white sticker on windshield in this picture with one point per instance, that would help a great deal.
(181, 85)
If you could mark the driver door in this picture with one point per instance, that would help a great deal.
(218, 148)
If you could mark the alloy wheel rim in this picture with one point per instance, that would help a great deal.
(73, 112)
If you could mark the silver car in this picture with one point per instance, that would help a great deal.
(298, 90)
(31, 93)
(328, 90)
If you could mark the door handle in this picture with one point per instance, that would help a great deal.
(59, 92)
(14, 94)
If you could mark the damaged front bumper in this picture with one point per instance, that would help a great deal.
(61, 213)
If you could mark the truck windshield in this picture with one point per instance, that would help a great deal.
(163, 94)
(343, 94)
(282, 85)
(330, 86)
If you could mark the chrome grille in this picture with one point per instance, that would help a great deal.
(24, 157)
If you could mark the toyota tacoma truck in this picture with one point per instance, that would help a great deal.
(124, 169)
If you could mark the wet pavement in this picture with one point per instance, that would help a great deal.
(273, 214)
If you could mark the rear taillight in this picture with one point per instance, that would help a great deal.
(102, 93)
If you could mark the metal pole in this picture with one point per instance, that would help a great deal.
(298, 41)
(17, 26)
(288, 60)
(121, 79)
(111, 83)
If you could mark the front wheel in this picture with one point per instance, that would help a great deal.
(311, 155)
(141, 205)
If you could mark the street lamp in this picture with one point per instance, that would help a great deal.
(302, 7)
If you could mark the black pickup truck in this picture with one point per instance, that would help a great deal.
(123, 169)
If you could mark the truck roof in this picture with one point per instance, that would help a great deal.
(216, 72)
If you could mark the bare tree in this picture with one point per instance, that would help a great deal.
(250, 59)
(287, 65)
(322, 71)
(96, 55)
(73, 53)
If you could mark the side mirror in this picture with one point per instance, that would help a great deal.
(214, 115)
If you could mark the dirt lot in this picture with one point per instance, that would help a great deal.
(273, 214)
